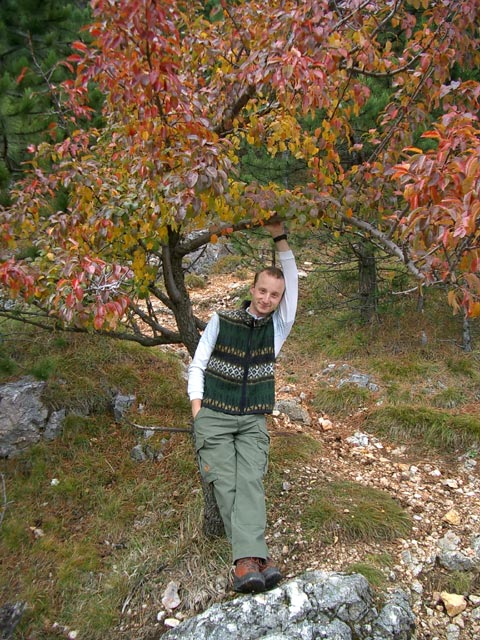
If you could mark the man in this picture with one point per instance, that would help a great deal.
(231, 387)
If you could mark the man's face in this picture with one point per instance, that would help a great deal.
(266, 294)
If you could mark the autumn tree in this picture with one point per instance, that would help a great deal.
(187, 93)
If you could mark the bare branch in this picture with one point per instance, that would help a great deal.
(4, 499)
(168, 429)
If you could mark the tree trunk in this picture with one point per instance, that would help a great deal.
(367, 279)
(467, 335)
(212, 520)
(174, 278)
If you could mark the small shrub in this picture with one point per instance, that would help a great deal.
(461, 582)
(7, 366)
(462, 366)
(297, 448)
(44, 368)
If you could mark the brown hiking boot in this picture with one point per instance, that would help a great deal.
(270, 572)
(247, 577)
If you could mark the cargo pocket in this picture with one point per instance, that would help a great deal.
(263, 449)
(203, 459)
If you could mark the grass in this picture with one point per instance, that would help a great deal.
(354, 512)
(83, 373)
(408, 372)
(85, 540)
(340, 401)
(62, 542)
(229, 264)
(441, 430)
(194, 281)
(461, 582)
(374, 568)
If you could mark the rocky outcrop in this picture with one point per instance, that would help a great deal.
(332, 606)
(10, 615)
(25, 419)
(23, 416)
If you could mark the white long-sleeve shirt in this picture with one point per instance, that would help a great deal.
(283, 319)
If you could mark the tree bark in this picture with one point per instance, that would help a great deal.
(212, 520)
(174, 279)
(467, 335)
(367, 279)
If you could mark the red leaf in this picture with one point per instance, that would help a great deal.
(21, 75)
(79, 46)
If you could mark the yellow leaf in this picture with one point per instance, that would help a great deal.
(145, 135)
(475, 310)
(214, 238)
(452, 301)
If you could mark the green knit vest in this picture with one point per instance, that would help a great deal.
(239, 377)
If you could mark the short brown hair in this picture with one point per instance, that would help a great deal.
(271, 271)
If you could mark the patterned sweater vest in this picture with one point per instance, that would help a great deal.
(239, 377)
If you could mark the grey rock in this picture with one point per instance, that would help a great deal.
(475, 543)
(54, 425)
(359, 439)
(138, 454)
(450, 556)
(294, 411)
(453, 632)
(121, 404)
(22, 415)
(396, 619)
(10, 615)
(331, 606)
(358, 379)
(201, 261)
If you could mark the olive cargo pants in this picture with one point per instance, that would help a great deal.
(233, 455)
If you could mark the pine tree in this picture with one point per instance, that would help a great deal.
(34, 39)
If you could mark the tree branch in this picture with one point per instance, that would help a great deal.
(391, 247)
(4, 499)
(229, 115)
(193, 243)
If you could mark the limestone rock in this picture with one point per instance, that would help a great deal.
(121, 404)
(454, 603)
(171, 599)
(452, 558)
(315, 605)
(452, 517)
(22, 415)
(293, 410)
(10, 615)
